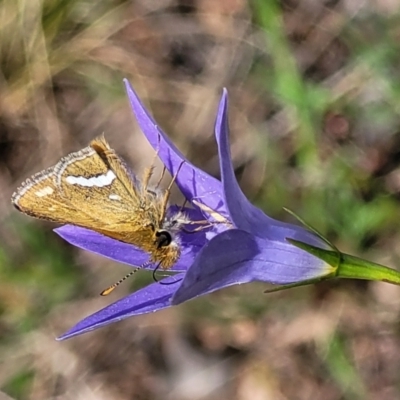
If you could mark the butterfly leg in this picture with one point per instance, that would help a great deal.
(161, 177)
(161, 282)
(149, 171)
(167, 192)
(205, 225)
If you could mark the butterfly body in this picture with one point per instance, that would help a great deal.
(93, 188)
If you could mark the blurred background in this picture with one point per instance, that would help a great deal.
(314, 91)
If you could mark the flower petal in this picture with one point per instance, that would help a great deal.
(242, 213)
(149, 299)
(115, 250)
(235, 257)
(192, 181)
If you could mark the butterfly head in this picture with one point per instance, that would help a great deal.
(166, 242)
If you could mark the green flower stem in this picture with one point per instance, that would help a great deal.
(347, 266)
(357, 268)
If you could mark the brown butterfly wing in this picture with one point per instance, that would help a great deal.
(91, 188)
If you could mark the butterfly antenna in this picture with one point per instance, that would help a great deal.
(107, 291)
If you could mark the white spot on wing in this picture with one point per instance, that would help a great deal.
(99, 181)
(46, 191)
(114, 197)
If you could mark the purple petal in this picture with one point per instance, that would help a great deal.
(193, 182)
(114, 249)
(235, 257)
(242, 213)
(149, 299)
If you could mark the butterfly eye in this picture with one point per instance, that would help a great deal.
(164, 239)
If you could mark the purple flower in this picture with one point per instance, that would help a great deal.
(250, 247)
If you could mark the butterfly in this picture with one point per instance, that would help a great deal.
(94, 188)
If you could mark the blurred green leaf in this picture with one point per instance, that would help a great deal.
(342, 370)
(19, 385)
